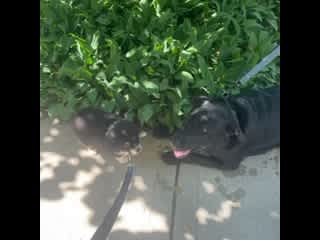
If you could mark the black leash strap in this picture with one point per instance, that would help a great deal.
(105, 227)
(174, 200)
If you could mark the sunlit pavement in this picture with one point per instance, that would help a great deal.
(78, 186)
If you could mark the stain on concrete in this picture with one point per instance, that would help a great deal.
(217, 179)
(265, 163)
(241, 171)
(234, 195)
(253, 172)
(165, 185)
(238, 194)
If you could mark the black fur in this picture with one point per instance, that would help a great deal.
(97, 128)
(223, 133)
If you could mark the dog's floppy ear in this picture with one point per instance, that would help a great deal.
(234, 132)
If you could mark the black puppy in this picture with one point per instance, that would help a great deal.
(97, 128)
(225, 131)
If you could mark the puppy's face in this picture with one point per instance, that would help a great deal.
(211, 128)
(124, 137)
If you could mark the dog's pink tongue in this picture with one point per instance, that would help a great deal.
(181, 153)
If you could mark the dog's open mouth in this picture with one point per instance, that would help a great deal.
(178, 153)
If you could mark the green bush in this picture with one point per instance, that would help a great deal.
(148, 58)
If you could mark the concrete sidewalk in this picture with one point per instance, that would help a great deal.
(77, 187)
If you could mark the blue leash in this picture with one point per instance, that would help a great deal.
(261, 65)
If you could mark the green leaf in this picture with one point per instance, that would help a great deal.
(164, 84)
(95, 41)
(130, 115)
(122, 80)
(131, 68)
(172, 96)
(257, 15)
(109, 106)
(81, 73)
(253, 41)
(145, 113)
(60, 110)
(46, 69)
(92, 96)
(104, 19)
(263, 36)
(178, 91)
(191, 50)
(185, 76)
(252, 24)
(274, 24)
(203, 66)
(168, 64)
(131, 53)
(165, 119)
(150, 85)
(101, 76)
(114, 52)
(82, 48)
(68, 68)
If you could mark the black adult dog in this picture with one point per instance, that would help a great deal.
(97, 128)
(225, 131)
